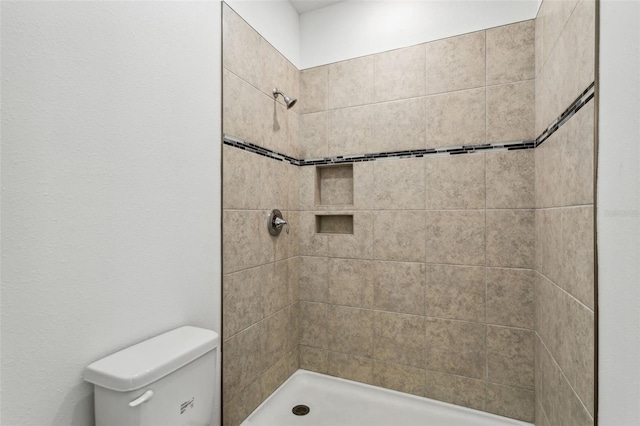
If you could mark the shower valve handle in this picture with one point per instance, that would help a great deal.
(276, 222)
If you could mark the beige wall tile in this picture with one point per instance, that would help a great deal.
(510, 238)
(559, 402)
(455, 389)
(293, 360)
(313, 278)
(310, 243)
(511, 53)
(292, 268)
(456, 63)
(313, 135)
(455, 182)
(245, 242)
(274, 377)
(350, 330)
(241, 406)
(456, 347)
(293, 314)
(241, 48)
(399, 184)
(351, 282)
(351, 130)
(510, 179)
(578, 350)
(350, 367)
(399, 235)
(399, 377)
(293, 121)
(455, 292)
(399, 287)
(540, 416)
(510, 356)
(275, 125)
(576, 267)
(553, 15)
(275, 338)
(549, 243)
(549, 167)
(307, 188)
(363, 186)
(575, 51)
(399, 338)
(313, 90)
(273, 176)
(399, 125)
(358, 245)
(510, 297)
(548, 314)
(313, 325)
(449, 242)
(578, 158)
(313, 359)
(243, 109)
(241, 179)
(241, 297)
(399, 74)
(457, 118)
(242, 360)
(277, 72)
(351, 83)
(286, 243)
(511, 112)
(511, 402)
(275, 287)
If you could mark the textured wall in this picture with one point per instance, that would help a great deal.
(565, 49)
(432, 294)
(110, 176)
(260, 301)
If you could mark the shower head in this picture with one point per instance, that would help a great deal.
(287, 100)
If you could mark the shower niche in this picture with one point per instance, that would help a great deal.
(334, 185)
(334, 188)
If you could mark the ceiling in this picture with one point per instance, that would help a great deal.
(304, 6)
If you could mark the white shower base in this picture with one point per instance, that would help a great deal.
(338, 402)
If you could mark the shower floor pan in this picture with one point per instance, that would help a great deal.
(338, 402)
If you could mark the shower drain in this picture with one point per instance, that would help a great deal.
(300, 410)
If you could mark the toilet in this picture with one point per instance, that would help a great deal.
(168, 380)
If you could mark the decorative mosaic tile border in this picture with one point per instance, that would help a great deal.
(582, 100)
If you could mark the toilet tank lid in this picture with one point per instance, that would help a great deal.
(148, 361)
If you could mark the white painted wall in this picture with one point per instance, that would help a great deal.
(357, 28)
(276, 20)
(110, 190)
(619, 214)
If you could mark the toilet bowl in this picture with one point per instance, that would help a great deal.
(168, 380)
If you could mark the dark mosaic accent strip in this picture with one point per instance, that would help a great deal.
(582, 100)
(248, 146)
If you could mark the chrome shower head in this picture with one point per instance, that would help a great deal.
(287, 100)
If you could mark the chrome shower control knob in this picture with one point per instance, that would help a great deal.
(276, 222)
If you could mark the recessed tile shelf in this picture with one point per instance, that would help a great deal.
(334, 185)
(334, 224)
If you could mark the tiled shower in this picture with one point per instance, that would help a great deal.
(440, 198)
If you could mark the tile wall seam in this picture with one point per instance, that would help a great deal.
(555, 42)
(566, 292)
(556, 364)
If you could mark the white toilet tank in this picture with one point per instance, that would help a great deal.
(168, 380)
